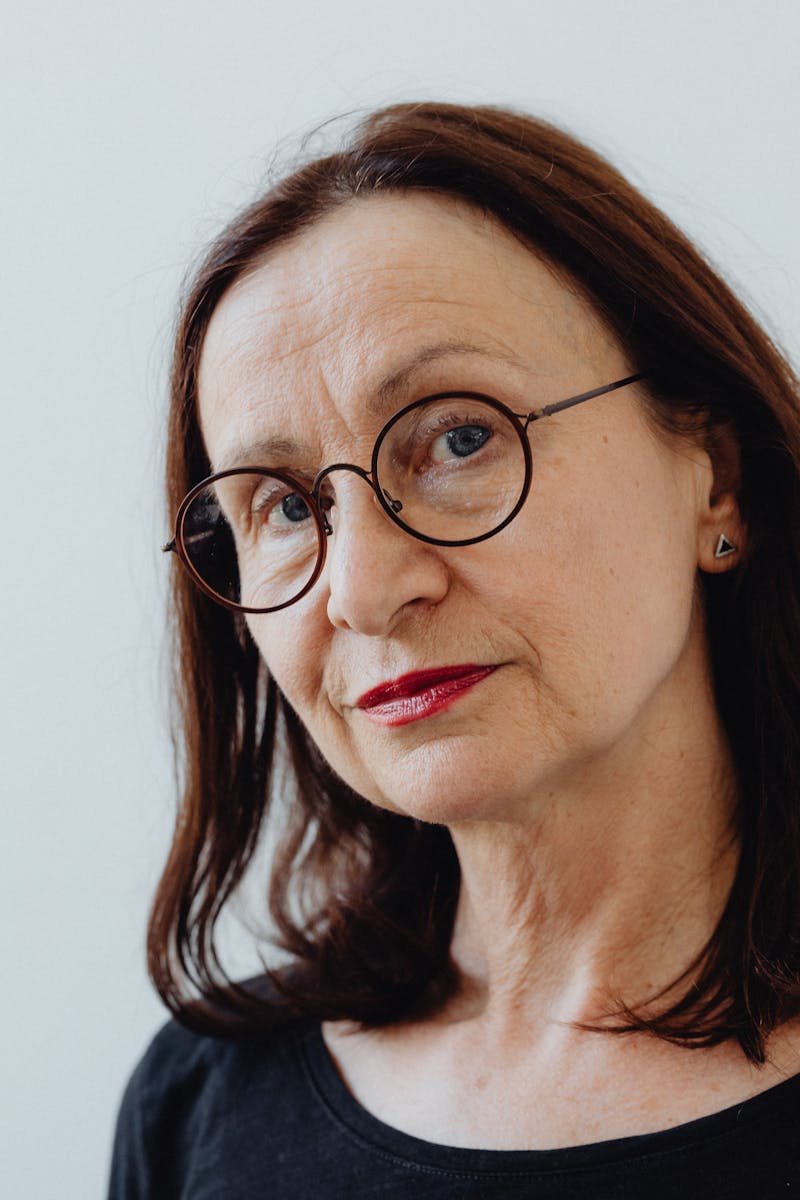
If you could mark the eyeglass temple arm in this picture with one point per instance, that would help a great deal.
(549, 409)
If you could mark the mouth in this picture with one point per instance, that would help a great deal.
(420, 694)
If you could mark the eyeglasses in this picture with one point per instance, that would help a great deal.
(451, 470)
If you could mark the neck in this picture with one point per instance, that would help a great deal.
(611, 885)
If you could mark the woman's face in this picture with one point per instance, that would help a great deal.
(581, 610)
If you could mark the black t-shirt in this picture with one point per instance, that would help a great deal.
(268, 1116)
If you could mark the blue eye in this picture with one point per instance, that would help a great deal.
(467, 439)
(276, 510)
(294, 507)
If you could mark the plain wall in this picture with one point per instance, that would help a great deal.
(130, 133)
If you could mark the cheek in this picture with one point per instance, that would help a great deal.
(295, 645)
(611, 574)
(292, 653)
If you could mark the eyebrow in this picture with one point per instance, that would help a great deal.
(384, 397)
(264, 452)
(393, 384)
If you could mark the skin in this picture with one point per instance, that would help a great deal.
(587, 782)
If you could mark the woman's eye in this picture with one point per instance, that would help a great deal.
(460, 442)
(280, 511)
(294, 508)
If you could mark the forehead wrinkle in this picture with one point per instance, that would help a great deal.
(244, 365)
(301, 318)
(240, 354)
(322, 299)
(244, 437)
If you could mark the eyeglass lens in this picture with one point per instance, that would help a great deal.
(451, 469)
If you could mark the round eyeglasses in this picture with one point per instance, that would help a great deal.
(451, 469)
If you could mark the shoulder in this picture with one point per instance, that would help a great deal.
(182, 1096)
(783, 1051)
(180, 1061)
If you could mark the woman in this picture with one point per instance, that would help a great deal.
(488, 511)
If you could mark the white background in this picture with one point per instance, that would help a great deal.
(130, 133)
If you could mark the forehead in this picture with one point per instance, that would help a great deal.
(377, 298)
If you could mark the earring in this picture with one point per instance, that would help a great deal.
(724, 547)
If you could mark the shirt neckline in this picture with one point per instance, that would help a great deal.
(367, 1129)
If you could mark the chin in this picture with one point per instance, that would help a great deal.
(450, 784)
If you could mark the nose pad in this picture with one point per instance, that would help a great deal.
(326, 502)
(316, 487)
(395, 505)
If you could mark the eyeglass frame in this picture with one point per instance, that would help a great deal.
(520, 422)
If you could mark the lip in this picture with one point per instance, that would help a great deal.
(420, 693)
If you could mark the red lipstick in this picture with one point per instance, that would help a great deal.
(420, 694)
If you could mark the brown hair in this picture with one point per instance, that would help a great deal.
(367, 937)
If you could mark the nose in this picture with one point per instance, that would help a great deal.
(376, 573)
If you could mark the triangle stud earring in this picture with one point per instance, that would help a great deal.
(724, 547)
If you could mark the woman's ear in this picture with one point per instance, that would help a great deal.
(721, 533)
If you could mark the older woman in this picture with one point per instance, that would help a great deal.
(488, 512)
